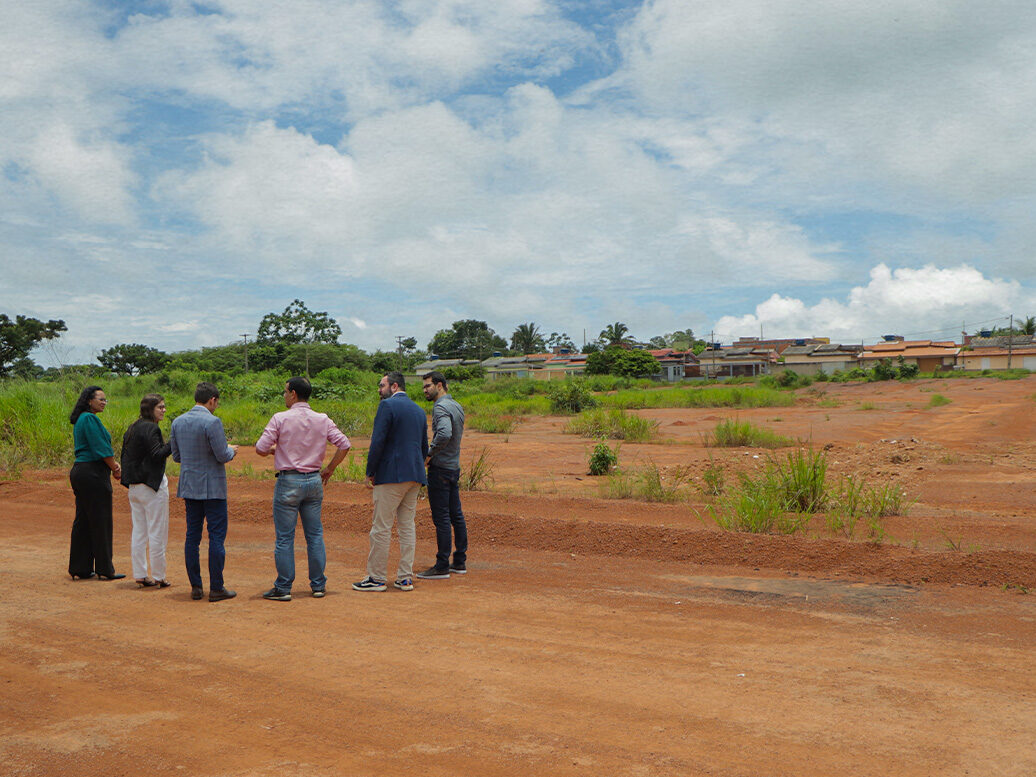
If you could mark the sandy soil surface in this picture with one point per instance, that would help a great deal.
(591, 637)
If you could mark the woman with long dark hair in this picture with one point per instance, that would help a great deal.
(90, 554)
(143, 471)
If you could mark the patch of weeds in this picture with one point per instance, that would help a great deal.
(492, 423)
(867, 406)
(352, 470)
(756, 507)
(603, 459)
(650, 484)
(829, 402)
(949, 458)
(876, 532)
(658, 486)
(1022, 589)
(745, 434)
(852, 500)
(938, 400)
(712, 480)
(478, 475)
(957, 546)
(613, 424)
(246, 470)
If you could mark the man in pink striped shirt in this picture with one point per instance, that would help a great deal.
(298, 438)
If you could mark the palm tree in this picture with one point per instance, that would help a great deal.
(615, 333)
(527, 338)
(1029, 327)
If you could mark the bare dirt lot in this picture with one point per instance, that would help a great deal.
(591, 637)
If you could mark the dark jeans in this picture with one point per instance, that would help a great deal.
(215, 512)
(444, 499)
(90, 549)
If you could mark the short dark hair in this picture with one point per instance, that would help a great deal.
(397, 378)
(300, 386)
(437, 377)
(148, 403)
(205, 391)
(83, 403)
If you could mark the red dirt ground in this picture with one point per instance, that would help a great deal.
(591, 637)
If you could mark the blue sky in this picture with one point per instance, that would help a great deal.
(172, 171)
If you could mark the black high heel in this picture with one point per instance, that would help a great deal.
(84, 577)
(116, 576)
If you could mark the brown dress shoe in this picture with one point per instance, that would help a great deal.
(219, 596)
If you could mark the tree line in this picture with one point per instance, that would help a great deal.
(303, 341)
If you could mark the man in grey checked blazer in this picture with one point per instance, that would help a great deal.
(200, 446)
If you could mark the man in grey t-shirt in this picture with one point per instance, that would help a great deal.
(444, 480)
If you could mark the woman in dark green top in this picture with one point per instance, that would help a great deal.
(91, 547)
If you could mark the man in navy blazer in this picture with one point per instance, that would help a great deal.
(200, 446)
(395, 470)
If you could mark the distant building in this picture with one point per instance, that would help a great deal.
(826, 358)
(737, 361)
(928, 355)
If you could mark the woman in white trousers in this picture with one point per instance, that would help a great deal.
(143, 471)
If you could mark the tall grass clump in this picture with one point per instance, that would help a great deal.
(478, 475)
(613, 424)
(938, 400)
(745, 434)
(756, 506)
(648, 484)
(779, 499)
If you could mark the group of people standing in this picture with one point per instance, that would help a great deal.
(399, 461)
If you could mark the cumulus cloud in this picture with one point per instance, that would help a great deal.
(928, 302)
(513, 161)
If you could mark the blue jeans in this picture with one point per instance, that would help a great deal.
(298, 496)
(444, 499)
(215, 512)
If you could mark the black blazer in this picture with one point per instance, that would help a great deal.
(143, 455)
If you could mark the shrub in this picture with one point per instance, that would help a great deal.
(570, 397)
(603, 459)
(938, 400)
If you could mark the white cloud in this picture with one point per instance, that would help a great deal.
(925, 303)
(933, 95)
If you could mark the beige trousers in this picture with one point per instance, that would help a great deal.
(393, 503)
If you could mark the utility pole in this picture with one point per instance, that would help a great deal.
(399, 350)
(1010, 340)
(246, 352)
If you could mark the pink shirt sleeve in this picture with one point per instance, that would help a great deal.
(336, 438)
(269, 436)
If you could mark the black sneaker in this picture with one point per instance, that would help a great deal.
(319, 593)
(458, 569)
(369, 584)
(277, 596)
(434, 573)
